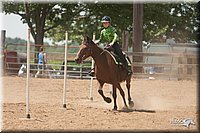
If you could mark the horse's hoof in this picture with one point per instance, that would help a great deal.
(125, 108)
(114, 109)
(131, 104)
(108, 100)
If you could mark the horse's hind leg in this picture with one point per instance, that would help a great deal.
(107, 99)
(130, 102)
(122, 94)
(115, 97)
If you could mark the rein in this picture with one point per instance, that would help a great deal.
(102, 52)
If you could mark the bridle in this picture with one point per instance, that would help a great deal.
(90, 50)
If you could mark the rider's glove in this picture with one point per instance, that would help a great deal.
(107, 46)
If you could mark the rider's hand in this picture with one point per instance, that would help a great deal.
(107, 46)
(96, 41)
(110, 44)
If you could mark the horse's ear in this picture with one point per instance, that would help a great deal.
(87, 40)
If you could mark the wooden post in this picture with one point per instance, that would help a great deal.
(180, 69)
(185, 67)
(126, 41)
(81, 71)
(3, 38)
(2, 46)
(137, 34)
(123, 40)
(189, 69)
(172, 60)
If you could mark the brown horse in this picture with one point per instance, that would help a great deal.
(106, 70)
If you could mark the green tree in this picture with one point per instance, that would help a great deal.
(178, 20)
(41, 17)
(15, 40)
(89, 20)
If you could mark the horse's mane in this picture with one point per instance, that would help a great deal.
(90, 41)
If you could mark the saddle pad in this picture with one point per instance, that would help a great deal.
(117, 59)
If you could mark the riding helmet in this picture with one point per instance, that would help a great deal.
(106, 19)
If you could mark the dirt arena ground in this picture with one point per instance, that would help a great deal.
(159, 105)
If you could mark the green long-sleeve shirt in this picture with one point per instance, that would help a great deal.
(108, 35)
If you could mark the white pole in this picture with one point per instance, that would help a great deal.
(91, 80)
(65, 72)
(28, 75)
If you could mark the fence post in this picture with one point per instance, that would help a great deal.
(126, 41)
(123, 40)
(2, 46)
(189, 68)
(81, 71)
(3, 38)
(172, 60)
(182, 69)
(185, 67)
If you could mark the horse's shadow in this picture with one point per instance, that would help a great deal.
(136, 110)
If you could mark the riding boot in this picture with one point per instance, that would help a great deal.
(125, 64)
(129, 71)
(118, 51)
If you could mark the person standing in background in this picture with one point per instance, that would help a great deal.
(42, 60)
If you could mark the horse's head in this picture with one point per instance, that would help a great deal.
(85, 50)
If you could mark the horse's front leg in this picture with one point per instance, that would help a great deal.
(107, 99)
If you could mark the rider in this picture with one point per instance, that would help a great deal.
(109, 36)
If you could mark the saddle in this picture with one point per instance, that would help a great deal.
(118, 60)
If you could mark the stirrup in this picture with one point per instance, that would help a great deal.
(129, 72)
(91, 73)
